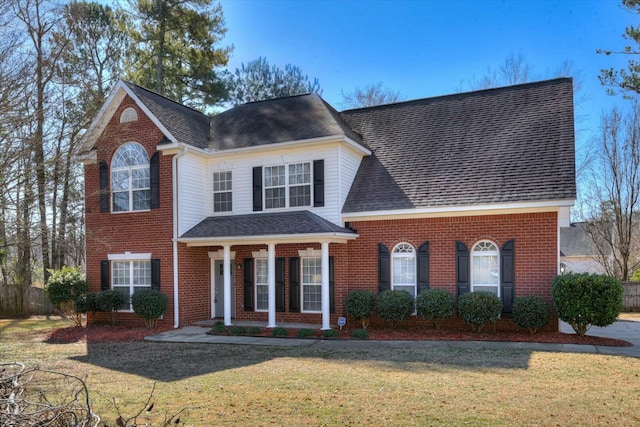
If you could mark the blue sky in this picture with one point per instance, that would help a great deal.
(429, 48)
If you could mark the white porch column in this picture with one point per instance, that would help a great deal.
(227, 283)
(326, 312)
(271, 282)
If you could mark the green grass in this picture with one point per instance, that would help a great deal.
(256, 385)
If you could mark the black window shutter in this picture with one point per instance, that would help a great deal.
(507, 275)
(104, 186)
(423, 267)
(104, 275)
(154, 172)
(294, 285)
(384, 270)
(462, 268)
(155, 274)
(257, 188)
(248, 284)
(318, 183)
(280, 304)
(332, 288)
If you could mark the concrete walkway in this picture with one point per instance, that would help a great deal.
(625, 330)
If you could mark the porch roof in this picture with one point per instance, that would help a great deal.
(261, 228)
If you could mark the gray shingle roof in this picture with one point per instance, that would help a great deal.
(576, 241)
(187, 125)
(293, 118)
(263, 224)
(509, 144)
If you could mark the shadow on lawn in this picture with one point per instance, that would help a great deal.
(176, 361)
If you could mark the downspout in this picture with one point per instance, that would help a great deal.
(176, 311)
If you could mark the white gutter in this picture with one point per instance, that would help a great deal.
(176, 311)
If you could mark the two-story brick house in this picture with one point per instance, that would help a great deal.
(275, 210)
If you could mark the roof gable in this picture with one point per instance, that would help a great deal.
(294, 118)
(502, 145)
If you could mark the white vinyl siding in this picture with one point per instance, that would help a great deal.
(222, 192)
(349, 165)
(195, 196)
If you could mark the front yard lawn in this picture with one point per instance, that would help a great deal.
(246, 385)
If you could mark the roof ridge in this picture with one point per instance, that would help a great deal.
(479, 92)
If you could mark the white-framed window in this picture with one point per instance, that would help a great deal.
(403, 268)
(485, 267)
(312, 284)
(222, 194)
(130, 179)
(130, 276)
(262, 285)
(287, 186)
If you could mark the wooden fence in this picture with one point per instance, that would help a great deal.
(18, 300)
(631, 296)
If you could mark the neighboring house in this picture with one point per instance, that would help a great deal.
(578, 253)
(274, 211)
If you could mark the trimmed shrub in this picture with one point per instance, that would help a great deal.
(583, 300)
(395, 306)
(254, 331)
(530, 312)
(280, 332)
(478, 308)
(237, 330)
(330, 333)
(305, 333)
(149, 304)
(88, 304)
(359, 305)
(110, 301)
(64, 288)
(360, 334)
(218, 328)
(435, 304)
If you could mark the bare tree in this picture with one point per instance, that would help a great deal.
(613, 188)
(370, 95)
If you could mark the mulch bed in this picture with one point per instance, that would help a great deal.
(127, 333)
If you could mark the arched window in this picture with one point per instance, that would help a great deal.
(485, 267)
(129, 115)
(403, 268)
(130, 179)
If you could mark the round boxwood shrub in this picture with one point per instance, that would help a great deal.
(150, 304)
(88, 304)
(395, 306)
(360, 334)
(237, 330)
(359, 305)
(478, 308)
(64, 288)
(218, 328)
(110, 301)
(583, 300)
(280, 332)
(254, 331)
(330, 333)
(435, 304)
(305, 333)
(530, 312)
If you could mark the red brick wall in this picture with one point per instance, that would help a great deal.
(356, 263)
(136, 232)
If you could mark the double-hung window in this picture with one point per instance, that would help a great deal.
(485, 268)
(287, 186)
(403, 268)
(222, 194)
(130, 276)
(130, 179)
(312, 284)
(262, 287)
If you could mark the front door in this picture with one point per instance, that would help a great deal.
(217, 303)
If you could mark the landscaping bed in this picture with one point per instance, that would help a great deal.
(127, 333)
